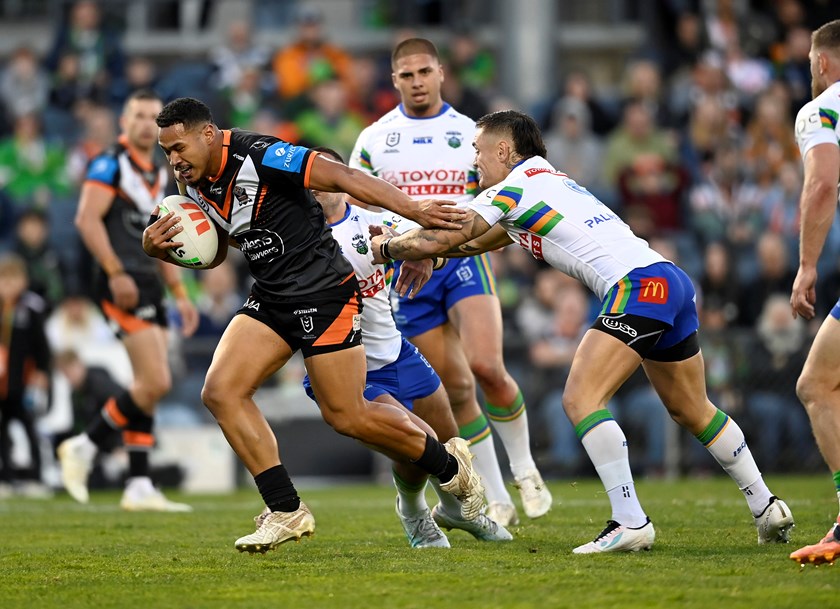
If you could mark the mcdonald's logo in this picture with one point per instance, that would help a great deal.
(654, 290)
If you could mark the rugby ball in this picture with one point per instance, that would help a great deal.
(199, 236)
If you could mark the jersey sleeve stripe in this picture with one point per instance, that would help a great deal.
(364, 160)
(507, 198)
(308, 169)
(539, 219)
(828, 118)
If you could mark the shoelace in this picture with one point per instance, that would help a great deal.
(427, 527)
(612, 525)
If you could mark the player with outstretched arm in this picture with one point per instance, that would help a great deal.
(648, 317)
(305, 297)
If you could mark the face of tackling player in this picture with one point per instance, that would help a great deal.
(138, 122)
(190, 151)
(491, 154)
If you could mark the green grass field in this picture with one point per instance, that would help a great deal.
(60, 554)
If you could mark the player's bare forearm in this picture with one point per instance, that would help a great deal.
(330, 176)
(428, 243)
(493, 239)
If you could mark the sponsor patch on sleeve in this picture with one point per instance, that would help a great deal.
(284, 156)
(103, 169)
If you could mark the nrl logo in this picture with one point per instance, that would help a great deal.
(360, 243)
(392, 139)
(307, 323)
(260, 145)
(454, 139)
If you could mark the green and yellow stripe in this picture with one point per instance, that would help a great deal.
(476, 430)
(619, 294)
(364, 160)
(507, 198)
(592, 421)
(714, 429)
(828, 118)
(504, 414)
(485, 273)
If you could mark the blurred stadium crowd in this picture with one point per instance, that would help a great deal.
(692, 144)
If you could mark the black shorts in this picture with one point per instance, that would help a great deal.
(150, 310)
(642, 334)
(330, 321)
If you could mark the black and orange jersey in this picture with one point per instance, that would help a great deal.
(137, 187)
(23, 344)
(260, 197)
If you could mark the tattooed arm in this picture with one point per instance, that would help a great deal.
(428, 243)
(493, 239)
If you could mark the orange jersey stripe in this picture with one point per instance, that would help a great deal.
(308, 169)
(128, 322)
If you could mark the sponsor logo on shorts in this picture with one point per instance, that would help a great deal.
(614, 324)
(653, 290)
(251, 304)
(305, 311)
(357, 322)
(145, 312)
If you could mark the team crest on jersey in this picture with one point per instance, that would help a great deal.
(241, 195)
(392, 139)
(454, 139)
(360, 243)
(260, 145)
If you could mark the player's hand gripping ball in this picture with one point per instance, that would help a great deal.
(200, 242)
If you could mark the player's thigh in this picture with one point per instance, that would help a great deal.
(602, 363)
(820, 372)
(247, 354)
(338, 379)
(478, 321)
(681, 385)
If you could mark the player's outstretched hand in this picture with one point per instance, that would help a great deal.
(157, 238)
(413, 275)
(436, 213)
(804, 293)
(378, 234)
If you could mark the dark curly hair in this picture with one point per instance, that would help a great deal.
(188, 111)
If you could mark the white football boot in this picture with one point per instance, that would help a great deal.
(619, 538)
(141, 496)
(775, 522)
(480, 527)
(422, 531)
(76, 456)
(536, 498)
(466, 484)
(274, 528)
(502, 513)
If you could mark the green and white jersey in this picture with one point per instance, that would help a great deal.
(549, 214)
(426, 158)
(817, 121)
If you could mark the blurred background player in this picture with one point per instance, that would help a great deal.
(122, 187)
(398, 374)
(24, 374)
(818, 133)
(456, 320)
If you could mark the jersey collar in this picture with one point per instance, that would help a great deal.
(445, 108)
(346, 215)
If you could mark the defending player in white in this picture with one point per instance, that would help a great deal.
(648, 318)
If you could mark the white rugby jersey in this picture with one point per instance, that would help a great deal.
(549, 214)
(817, 122)
(380, 336)
(426, 158)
